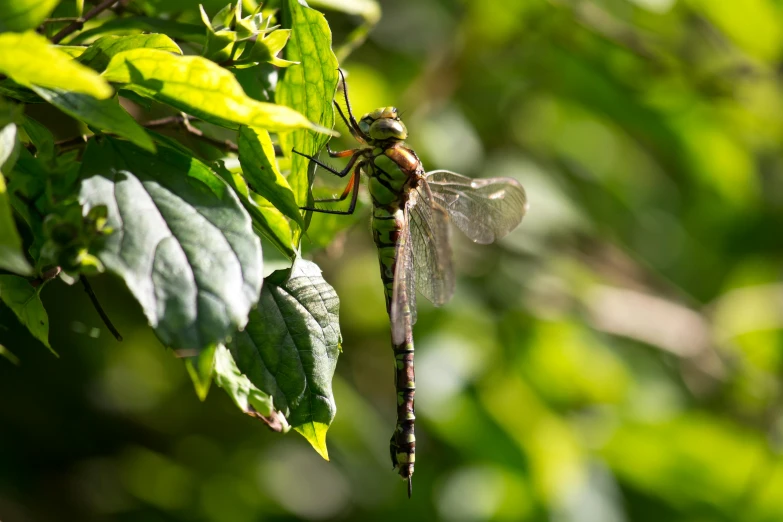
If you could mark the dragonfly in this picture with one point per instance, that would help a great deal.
(411, 211)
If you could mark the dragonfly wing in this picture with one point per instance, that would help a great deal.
(429, 229)
(484, 209)
(404, 291)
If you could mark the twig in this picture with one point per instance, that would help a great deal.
(78, 24)
(99, 308)
(63, 19)
(162, 122)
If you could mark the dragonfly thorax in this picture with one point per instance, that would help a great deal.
(383, 124)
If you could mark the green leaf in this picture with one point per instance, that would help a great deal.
(267, 48)
(105, 115)
(11, 254)
(74, 51)
(202, 88)
(182, 241)
(257, 156)
(201, 368)
(40, 137)
(20, 15)
(267, 220)
(24, 301)
(98, 55)
(308, 88)
(290, 346)
(29, 59)
(220, 40)
(5, 352)
(138, 24)
(247, 397)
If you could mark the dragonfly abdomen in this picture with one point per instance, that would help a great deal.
(387, 226)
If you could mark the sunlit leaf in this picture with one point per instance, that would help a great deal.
(17, 293)
(201, 368)
(20, 15)
(290, 346)
(98, 55)
(200, 87)
(308, 88)
(257, 156)
(267, 220)
(29, 59)
(105, 115)
(182, 241)
(138, 24)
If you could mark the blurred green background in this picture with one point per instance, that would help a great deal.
(616, 358)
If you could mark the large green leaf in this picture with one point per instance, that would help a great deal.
(98, 55)
(245, 395)
(182, 241)
(106, 115)
(24, 301)
(267, 220)
(29, 59)
(20, 15)
(200, 87)
(290, 346)
(307, 88)
(257, 156)
(11, 254)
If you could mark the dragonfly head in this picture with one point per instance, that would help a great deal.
(383, 124)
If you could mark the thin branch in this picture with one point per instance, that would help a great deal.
(169, 121)
(63, 19)
(78, 24)
(99, 308)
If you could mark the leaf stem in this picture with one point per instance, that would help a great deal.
(99, 308)
(78, 24)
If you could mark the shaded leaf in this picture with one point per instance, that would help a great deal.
(24, 301)
(98, 55)
(257, 156)
(245, 395)
(290, 346)
(11, 254)
(29, 59)
(307, 88)
(105, 115)
(202, 88)
(20, 15)
(40, 137)
(182, 241)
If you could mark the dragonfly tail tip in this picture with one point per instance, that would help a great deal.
(410, 486)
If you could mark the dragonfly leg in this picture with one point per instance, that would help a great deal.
(341, 173)
(354, 124)
(340, 153)
(353, 131)
(353, 187)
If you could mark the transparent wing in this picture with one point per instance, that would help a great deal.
(402, 312)
(429, 229)
(484, 209)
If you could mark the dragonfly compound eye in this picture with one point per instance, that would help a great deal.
(388, 128)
